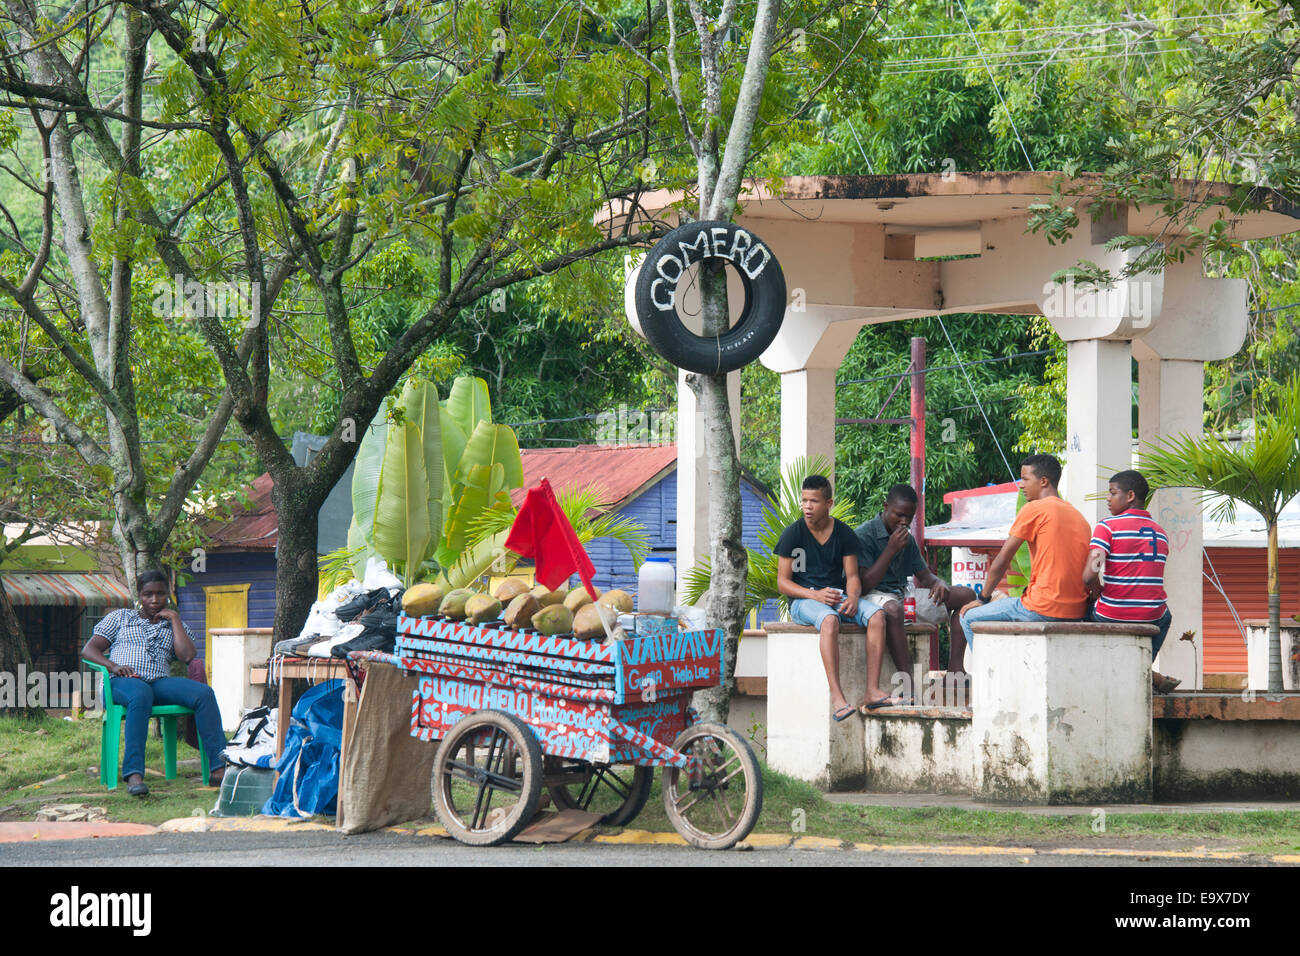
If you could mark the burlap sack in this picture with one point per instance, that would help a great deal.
(386, 772)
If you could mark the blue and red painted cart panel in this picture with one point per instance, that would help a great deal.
(624, 702)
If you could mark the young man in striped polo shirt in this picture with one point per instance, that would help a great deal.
(1126, 566)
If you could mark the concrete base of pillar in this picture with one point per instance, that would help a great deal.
(803, 738)
(235, 651)
(1061, 713)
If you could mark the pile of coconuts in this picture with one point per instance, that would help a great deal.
(551, 612)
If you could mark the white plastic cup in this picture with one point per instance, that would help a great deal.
(655, 587)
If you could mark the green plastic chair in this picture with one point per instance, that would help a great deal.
(110, 741)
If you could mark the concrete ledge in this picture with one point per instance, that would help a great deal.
(1062, 627)
(1201, 706)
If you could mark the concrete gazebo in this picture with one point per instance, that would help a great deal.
(857, 250)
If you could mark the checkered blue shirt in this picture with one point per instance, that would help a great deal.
(134, 642)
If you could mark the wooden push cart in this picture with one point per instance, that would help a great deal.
(517, 711)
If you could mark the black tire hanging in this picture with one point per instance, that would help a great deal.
(760, 276)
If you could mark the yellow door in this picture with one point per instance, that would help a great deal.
(226, 606)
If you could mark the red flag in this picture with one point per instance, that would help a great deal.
(542, 532)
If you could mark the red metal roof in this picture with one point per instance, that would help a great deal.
(246, 529)
(617, 473)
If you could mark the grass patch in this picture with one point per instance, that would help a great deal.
(34, 753)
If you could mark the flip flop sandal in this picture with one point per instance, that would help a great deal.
(844, 712)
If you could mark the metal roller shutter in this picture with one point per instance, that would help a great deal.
(1243, 573)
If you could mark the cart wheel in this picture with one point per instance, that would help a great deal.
(487, 778)
(717, 805)
(618, 792)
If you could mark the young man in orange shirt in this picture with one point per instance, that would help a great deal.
(1058, 546)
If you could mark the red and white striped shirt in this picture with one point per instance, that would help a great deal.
(1133, 581)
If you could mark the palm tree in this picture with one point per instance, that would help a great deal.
(1263, 474)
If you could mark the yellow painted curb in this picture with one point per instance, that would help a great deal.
(1285, 858)
(641, 837)
(239, 825)
(1163, 854)
(945, 850)
(766, 841)
(816, 843)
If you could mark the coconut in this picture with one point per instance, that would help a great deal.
(422, 599)
(555, 619)
(482, 607)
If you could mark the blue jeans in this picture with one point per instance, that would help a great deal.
(1007, 609)
(1162, 622)
(139, 698)
(810, 612)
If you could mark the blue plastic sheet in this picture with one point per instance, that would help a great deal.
(309, 765)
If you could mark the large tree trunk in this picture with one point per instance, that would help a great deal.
(15, 658)
(296, 507)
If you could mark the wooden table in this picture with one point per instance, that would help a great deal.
(315, 670)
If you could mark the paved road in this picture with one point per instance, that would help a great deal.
(319, 849)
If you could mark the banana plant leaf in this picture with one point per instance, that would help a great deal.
(422, 408)
(491, 445)
(467, 404)
(483, 490)
(365, 478)
(402, 531)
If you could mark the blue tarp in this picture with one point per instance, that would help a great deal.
(309, 766)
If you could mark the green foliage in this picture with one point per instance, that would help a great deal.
(1041, 410)
(1262, 472)
(960, 450)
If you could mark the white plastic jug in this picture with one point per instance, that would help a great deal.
(655, 590)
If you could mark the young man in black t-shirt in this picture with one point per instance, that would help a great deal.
(817, 568)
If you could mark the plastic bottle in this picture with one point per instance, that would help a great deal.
(909, 603)
(655, 591)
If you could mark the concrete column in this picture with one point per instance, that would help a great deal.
(808, 416)
(1170, 402)
(693, 473)
(235, 652)
(1061, 713)
(1099, 415)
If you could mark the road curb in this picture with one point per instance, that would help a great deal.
(755, 841)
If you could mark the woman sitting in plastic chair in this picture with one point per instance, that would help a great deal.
(140, 645)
